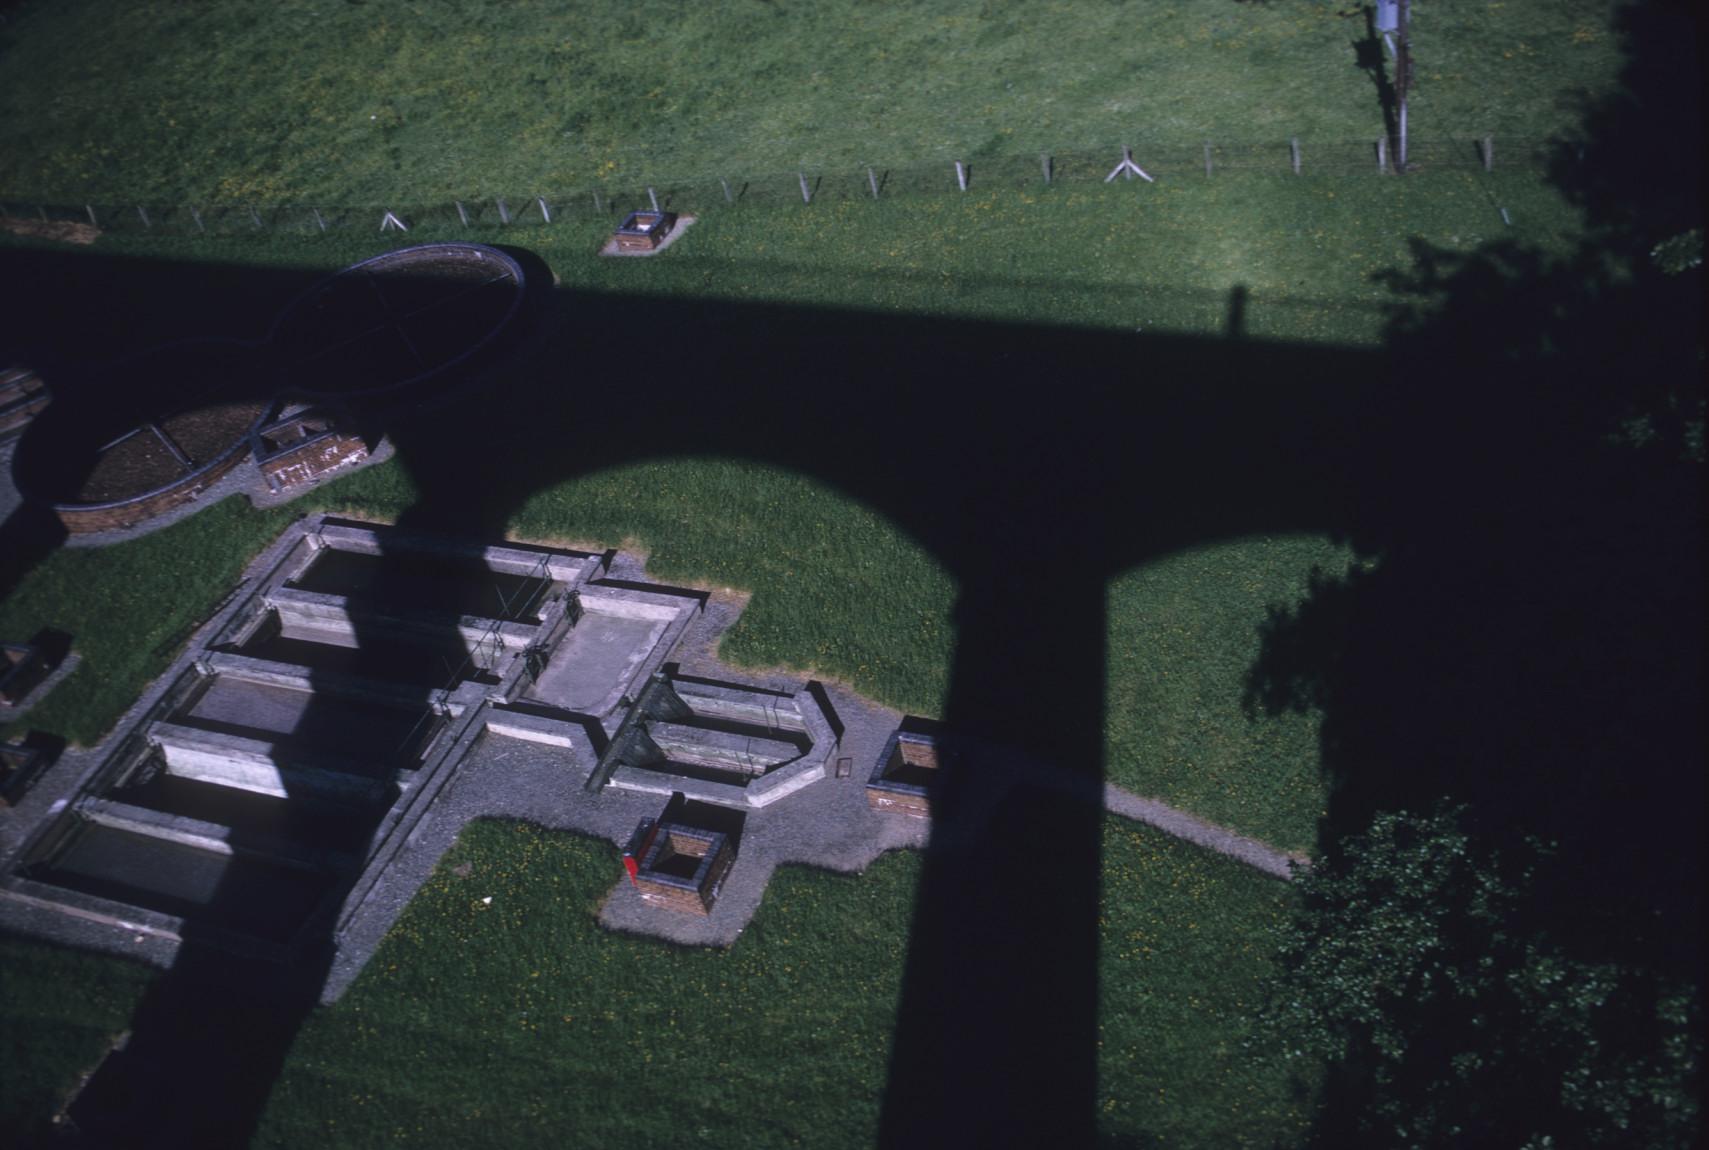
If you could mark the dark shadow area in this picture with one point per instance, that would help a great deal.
(1238, 296)
(1636, 166)
(1524, 637)
(1372, 58)
(983, 441)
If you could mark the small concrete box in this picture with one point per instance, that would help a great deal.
(683, 867)
(904, 776)
(644, 231)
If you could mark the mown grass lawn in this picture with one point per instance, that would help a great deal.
(490, 1024)
(267, 100)
(506, 1023)
(60, 1011)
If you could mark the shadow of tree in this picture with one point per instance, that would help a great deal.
(1522, 636)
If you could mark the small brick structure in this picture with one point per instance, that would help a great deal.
(22, 666)
(905, 774)
(680, 867)
(301, 445)
(23, 393)
(643, 231)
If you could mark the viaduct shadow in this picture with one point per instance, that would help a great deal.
(1033, 463)
(1516, 466)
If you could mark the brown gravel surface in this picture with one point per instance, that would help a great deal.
(207, 433)
(135, 465)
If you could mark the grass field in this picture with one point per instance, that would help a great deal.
(360, 103)
(1165, 257)
(488, 1024)
(483, 1026)
(59, 1013)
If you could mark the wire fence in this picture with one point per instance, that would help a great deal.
(1173, 162)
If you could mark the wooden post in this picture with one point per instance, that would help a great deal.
(90, 208)
(1489, 153)
(960, 175)
(728, 198)
(503, 211)
(545, 212)
(1207, 157)
(806, 193)
(197, 216)
(653, 198)
(1294, 147)
(319, 219)
(872, 182)
(143, 213)
(1382, 154)
(1044, 162)
(462, 212)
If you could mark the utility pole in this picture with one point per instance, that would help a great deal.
(1403, 80)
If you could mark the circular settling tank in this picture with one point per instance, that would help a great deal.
(390, 324)
(145, 436)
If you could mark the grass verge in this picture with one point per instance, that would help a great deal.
(262, 100)
(60, 1012)
(488, 1024)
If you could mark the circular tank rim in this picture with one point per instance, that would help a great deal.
(410, 253)
(220, 463)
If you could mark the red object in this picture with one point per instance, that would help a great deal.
(629, 865)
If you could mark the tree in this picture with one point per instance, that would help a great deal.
(1419, 966)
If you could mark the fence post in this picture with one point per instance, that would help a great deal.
(1294, 147)
(1044, 162)
(1382, 155)
(545, 212)
(503, 211)
(1207, 157)
(872, 182)
(653, 197)
(728, 198)
(462, 213)
(319, 219)
(960, 175)
(90, 208)
(1489, 153)
(197, 216)
(806, 193)
(143, 213)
